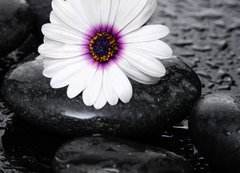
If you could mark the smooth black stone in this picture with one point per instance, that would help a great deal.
(41, 10)
(215, 129)
(15, 24)
(27, 47)
(29, 147)
(152, 108)
(106, 155)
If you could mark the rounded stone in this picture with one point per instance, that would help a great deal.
(215, 129)
(152, 108)
(15, 24)
(102, 155)
(41, 10)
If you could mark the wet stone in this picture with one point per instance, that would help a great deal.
(15, 24)
(216, 119)
(107, 155)
(152, 108)
(41, 10)
(26, 48)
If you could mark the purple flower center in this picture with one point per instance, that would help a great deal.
(103, 46)
(104, 43)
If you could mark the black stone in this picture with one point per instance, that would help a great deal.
(215, 129)
(106, 155)
(152, 108)
(28, 147)
(27, 47)
(41, 10)
(15, 24)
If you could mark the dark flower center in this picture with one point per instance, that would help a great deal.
(103, 47)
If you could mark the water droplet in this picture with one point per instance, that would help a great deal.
(238, 71)
(204, 74)
(227, 133)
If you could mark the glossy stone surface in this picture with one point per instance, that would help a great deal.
(152, 108)
(15, 24)
(99, 154)
(215, 129)
(41, 10)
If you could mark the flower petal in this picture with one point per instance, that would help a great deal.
(136, 74)
(69, 15)
(81, 79)
(147, 33)
(109, 92)
(105, 11)
(61, 51)
(63, 77)
(120, 83)
(50, 41)
(63, 34)
(148, 65)
(89, 7)
(77, 5)
(113, 11)
(52, 66)
(128, 10)
(141, 18)
(101, 100)
(157, 49)
(91, 93)
(55, 20)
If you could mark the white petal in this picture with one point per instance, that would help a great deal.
(77, 5)
(52, 66)
(128, 10)
(81, 79)
(113, 11)
(148, 65)
(91, 93)
(136, 74)
(69, 15)
(55, 20)
(101, 100)
(157, 49)
(142, 17)
(89, 7)
(50, 41)
(63, 77)
(109, 92)
(147, 33)
(120, 83)
(61, 51)
(105, 10)
(49, 61)
(63, 34)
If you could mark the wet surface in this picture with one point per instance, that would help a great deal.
(216, 119)
(206, 34)
(152, 109)
(108, 155)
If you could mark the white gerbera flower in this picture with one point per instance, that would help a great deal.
(93, 46)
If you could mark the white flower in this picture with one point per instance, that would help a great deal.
(93, 46)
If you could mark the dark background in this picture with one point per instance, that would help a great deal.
(204, 33)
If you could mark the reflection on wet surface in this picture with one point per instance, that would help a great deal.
(81, 115)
